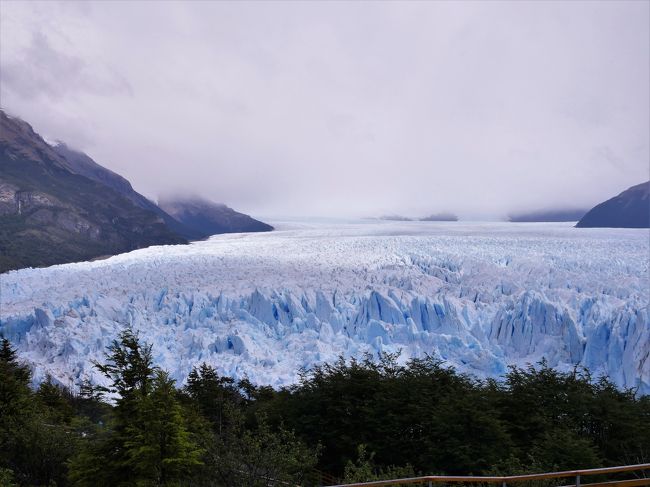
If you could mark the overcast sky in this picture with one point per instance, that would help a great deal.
(343, 108)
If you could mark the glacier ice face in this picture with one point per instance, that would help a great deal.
(479, 296)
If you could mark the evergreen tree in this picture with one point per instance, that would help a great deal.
(365, 469)
(160, 449)
(16, 406)
(129, 367)
(140, 430)
(145, 442)
(35, 443)
(55, 401)
(213, 394)
(259, 457)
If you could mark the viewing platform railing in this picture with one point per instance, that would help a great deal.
(575, 475)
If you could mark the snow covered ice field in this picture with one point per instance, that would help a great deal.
(477, 295)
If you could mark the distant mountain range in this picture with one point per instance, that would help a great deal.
(434, 217)
(630, 209)
(57, 205)
(571, 215)
(440, 217)
(395, 218)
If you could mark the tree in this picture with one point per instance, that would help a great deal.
(129, 367)
(212, 394)
(160, 448)
(365, 469)
(6, 478)
(35, 443)
(16, 406)
(261, 456)
(14, 386)
(146, 441)
(55, 400)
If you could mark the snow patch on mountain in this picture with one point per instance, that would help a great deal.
(479, 296)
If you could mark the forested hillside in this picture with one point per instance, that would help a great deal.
(353, 421)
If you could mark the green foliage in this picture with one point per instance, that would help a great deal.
(160, 450)
(260, 456)
(359, 420)
(6, 478)
(55, 401)
(34, 439)
(129, 368)
(16, 407)
(429, 416)
(245, 450)
(213, 394)
(146, 441)
(420, 413)
(365, 469)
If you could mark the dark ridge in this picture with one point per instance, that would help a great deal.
(208, 218)
(51, 214)
(440, 217)
(84, 165)
(630, 209)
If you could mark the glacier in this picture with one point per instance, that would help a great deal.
(479, 296)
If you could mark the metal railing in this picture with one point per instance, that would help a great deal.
(504, 481)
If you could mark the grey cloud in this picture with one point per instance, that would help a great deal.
(40, 71)
(344, 108)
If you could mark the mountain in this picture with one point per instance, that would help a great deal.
(630, 209)
(82, 164)
(396, 218)
(207, 218)
(51, 213)
(479, 297)
(435, 217)
(440, 217)
(566, 215)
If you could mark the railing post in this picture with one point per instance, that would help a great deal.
(578, 480)
(430, 484)
(503, 484)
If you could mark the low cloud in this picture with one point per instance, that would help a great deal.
(336, 108)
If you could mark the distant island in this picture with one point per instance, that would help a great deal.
(396, 218)
(434, 217)
(440, 217)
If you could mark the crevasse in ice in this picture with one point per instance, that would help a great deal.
(263, 306)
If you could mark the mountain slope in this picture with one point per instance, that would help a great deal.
(50, 214)
(210, 218)
(82, 164)
(630, 209)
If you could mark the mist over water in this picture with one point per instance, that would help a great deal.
(343, 109)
